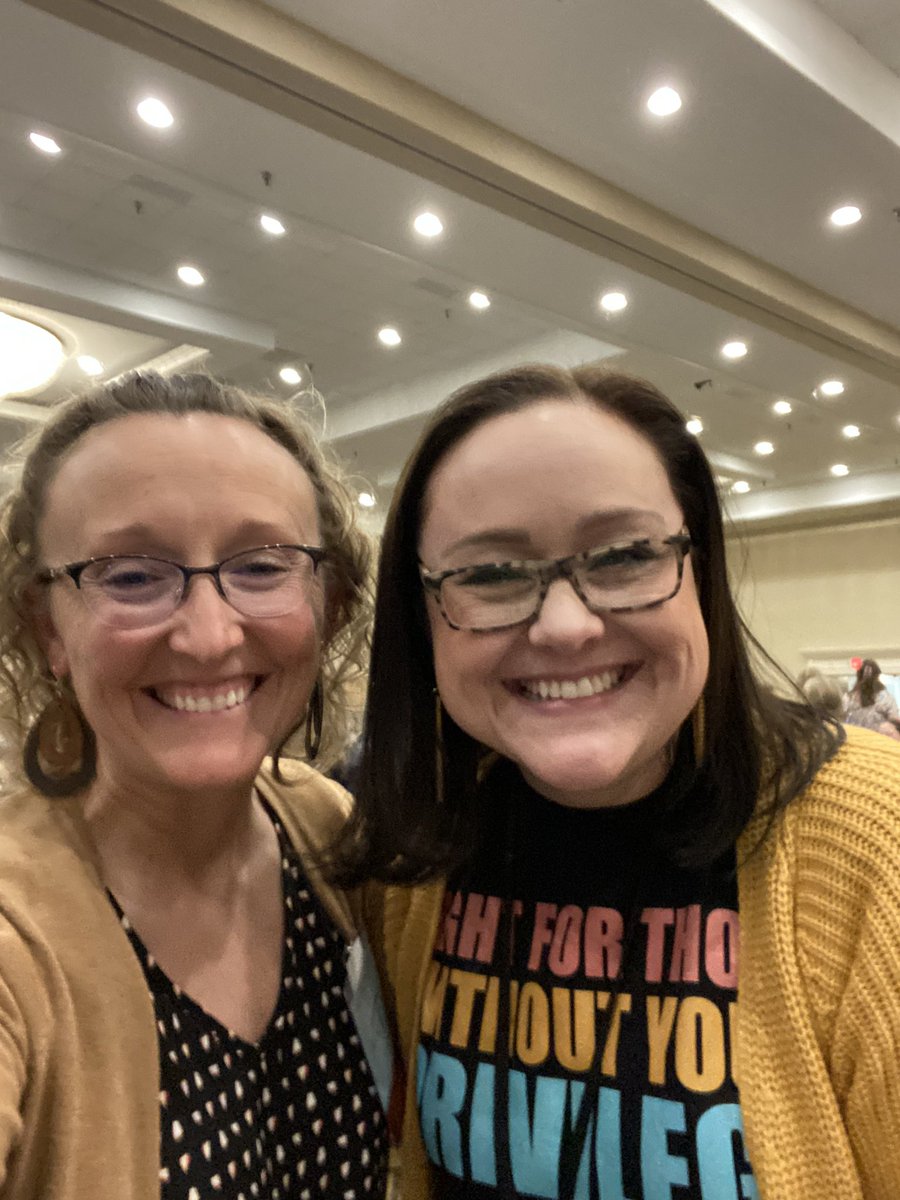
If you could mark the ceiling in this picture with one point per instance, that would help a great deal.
(767, 143)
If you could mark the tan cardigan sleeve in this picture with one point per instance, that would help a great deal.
(14, 1046)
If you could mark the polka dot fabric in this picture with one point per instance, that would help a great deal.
(295, 1115)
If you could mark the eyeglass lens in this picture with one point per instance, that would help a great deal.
(634, 576)
(131, 592)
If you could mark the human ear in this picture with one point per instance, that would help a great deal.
(45, 631)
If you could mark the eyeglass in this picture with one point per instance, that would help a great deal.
(620, 578)
(133, 591)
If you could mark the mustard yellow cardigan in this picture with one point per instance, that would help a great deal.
(79, 1066)
(818, 1014)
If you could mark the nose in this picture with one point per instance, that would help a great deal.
(564, 619)
(205, 626)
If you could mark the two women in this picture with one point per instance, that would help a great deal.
(641, 916)
(182, 591)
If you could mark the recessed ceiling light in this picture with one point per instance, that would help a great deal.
(850, 431)
(847, 214)
(191, 276)
(694, 426)
(782, 407)
(831, 387)
(479, 300)
(840, 469)
(367, 500)
(428, 224)
(664, 102)
(734, 349)
(271, 225)
(152, 111)
(289, 375)
(44, 142)
(764, 448)
(613, 302)
(740, 486)
(388, 336)
(89, 364)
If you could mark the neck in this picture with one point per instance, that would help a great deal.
(172, 837)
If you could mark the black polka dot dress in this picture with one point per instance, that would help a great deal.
(295, 1115)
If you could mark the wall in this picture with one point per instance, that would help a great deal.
(821, 595)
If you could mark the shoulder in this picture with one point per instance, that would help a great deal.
(855, 795)
(314, 809)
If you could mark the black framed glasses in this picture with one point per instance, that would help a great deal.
(135, 590)
(619, 578)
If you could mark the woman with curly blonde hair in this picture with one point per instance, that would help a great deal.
(183, 594)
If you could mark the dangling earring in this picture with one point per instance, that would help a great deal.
(60, 752)
(698, 730)
(438, 748)
(313, 736)
(314, 712)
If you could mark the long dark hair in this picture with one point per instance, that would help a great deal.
(868, 682)
(414, 820)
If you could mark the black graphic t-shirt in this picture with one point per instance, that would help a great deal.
(616, 1069)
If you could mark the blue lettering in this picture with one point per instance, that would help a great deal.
(715, 1155)
(482, 1156)
(534, 1145)
(443, 1094)
(660, 1170)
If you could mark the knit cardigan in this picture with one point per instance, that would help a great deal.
(818, 1013)
(79, 1065)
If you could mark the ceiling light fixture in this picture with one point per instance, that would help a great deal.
(613, 302)
(664, 102)
(840, 469)
(694, 426)
(271, 225)
(89, 364)
(153, 112)
(428, 224)
(740, 486)
(30, 355)
(366, 500)
(831, 387)
(734, 350)
(764, 448)
(782, 407)
(850, 431)
(388, 336)
(847, 214)
(191, 276)
(289, 375)
(44, 142)
(479, 300)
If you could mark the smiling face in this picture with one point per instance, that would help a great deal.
(554, 479)
(198, 700)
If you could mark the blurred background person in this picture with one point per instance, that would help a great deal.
(182, 593)
(825, 695)
(869, 704)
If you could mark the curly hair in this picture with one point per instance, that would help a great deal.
(25, 683)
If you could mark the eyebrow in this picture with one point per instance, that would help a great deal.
(521, 538)
(147, 536)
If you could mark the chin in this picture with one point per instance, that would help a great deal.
(589, 780)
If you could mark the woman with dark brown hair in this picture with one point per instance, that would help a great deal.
(868, 703)
(639, 918)
(182, 595)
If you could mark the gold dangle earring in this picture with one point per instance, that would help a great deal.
(698, 729)
(438, 748)
(60, 751)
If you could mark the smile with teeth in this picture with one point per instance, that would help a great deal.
(205, 699)
(572, 689)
